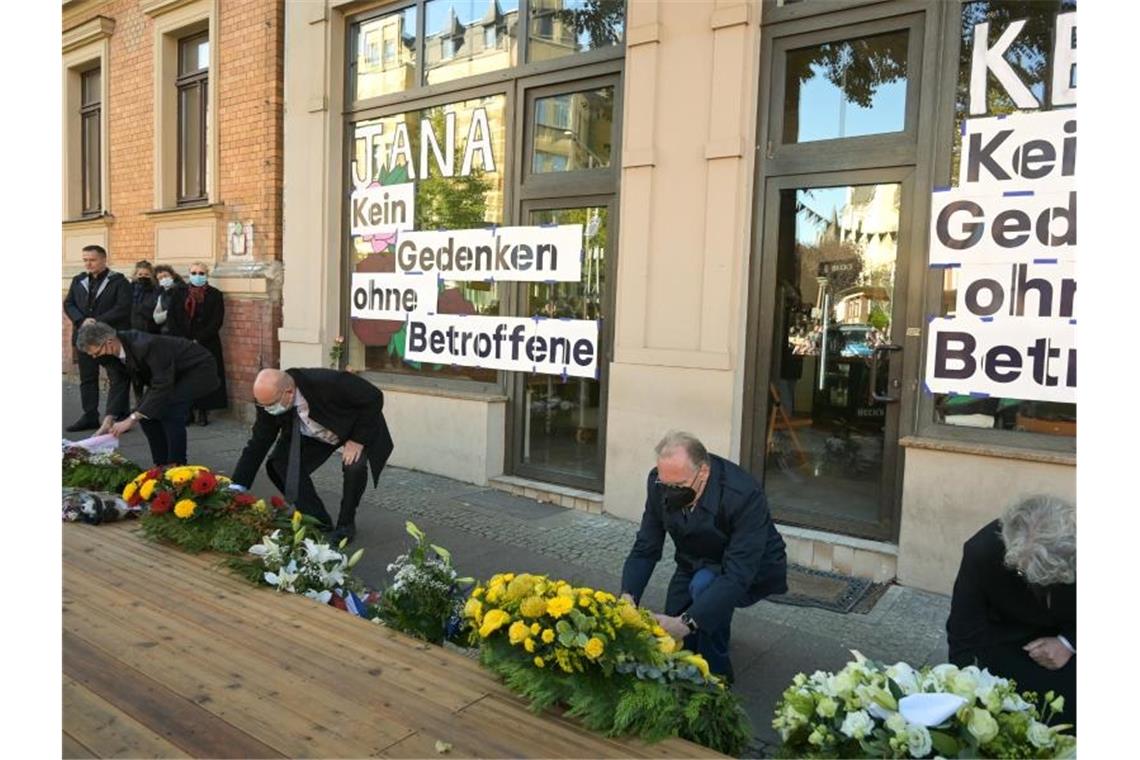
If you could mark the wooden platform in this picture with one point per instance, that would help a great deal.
(166, 655)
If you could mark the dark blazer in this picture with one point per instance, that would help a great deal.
(173, 298)
(112, 301)
(153, 365)
(729, 531)
(204, 329)
(993, 606)
(348, 405)
(142, 308)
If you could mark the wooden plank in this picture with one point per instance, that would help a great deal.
(73, 748)
(336, 677)
(97, 728)
(257, 628)
(280, 708)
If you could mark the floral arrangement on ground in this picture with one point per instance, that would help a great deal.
(191, 507)
(606, 660)
(871, 710)
(105, 471)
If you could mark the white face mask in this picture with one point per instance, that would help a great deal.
(276, 408)
(165, 282)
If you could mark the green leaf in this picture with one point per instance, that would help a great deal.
(895, 690)
(944, 744)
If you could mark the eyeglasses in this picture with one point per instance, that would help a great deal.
(662, 484)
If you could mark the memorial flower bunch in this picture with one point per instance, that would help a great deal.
(292, 562)
(606, 660)
(102, 471)
(192, 507)
(868, 709)
(426, 596)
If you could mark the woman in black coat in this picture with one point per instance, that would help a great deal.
(169, 304)
(205, 311)
(143, 295)
(1014, 609)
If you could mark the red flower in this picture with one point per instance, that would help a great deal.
(162, 503)
(203, 483)
(154, 473)
(277, 502)
(134, 500)
(244, 499)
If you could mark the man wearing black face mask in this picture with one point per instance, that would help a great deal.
(729, 553)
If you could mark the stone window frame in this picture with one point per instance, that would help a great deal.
(85, 47)
(173, 21)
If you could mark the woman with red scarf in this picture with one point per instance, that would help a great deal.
(204, 312)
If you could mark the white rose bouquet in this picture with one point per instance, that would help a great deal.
(873, 710)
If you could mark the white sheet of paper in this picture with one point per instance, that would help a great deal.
(99, 444)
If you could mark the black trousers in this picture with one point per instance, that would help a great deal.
(88, 384)
(166, 433)
(314, 453)
(710, 643)
(1011, 661)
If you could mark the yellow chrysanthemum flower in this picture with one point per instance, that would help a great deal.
(564, 661)
(547, 635)
(493, 621)
(223, 480)
(185, 508)
(595, 647)
(700, 663)
(520, 587)
(478, 592)
(559, 606)
(130, 490)
(494, 591)
(474, 610)
(508, 577)
(260, 507)
(539, 662)
(147, 489)
(584, 601)
(584, 590)
(630, 616)
(533, 607)
(528, 644)
(517, 632)
(535, 628)
(658, 630)
(667, 644)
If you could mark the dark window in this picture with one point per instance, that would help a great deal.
(192, 83)
(91, 158)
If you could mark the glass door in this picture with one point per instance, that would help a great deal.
(560, 421)
(830, 413)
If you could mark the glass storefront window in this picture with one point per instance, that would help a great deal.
(384, 60)
(565, 27)
(381, 149)
(468, 37)
(1028, 56)
(562, 417)
(847, 88)
(573, 131)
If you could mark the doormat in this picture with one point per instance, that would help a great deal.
(828, 591)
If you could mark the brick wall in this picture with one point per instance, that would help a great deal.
(249, 97)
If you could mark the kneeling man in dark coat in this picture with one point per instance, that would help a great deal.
(729, 553)
(309, 414)
(168, 375)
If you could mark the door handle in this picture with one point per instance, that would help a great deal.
(873, 396)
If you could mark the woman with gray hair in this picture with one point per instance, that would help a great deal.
(1014, 609)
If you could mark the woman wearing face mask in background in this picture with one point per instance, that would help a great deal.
(205, 312)
(169, 309)
(143, 297)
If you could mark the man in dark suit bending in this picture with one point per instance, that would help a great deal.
(305, 415)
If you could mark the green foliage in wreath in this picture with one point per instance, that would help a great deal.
(104, 473)
(221, 533)
(621, 704)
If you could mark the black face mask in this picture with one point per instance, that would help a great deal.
(676, 497)
(144, 283)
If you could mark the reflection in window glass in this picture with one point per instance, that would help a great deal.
(441, 203)
(561, 417)
(1028, 55)
(469, 37)
(565, 27)
(374, 74)
(573, 131)
(846, 89)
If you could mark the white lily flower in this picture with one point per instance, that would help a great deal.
(284, 578)
(320, 553)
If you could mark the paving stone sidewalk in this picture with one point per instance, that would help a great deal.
(488, 531)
